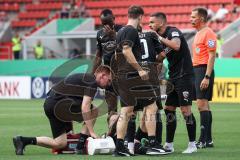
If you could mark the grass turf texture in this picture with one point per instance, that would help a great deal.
(26, 117)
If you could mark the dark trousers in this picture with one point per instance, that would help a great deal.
(16, 54)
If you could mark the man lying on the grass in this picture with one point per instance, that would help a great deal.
(85, 87)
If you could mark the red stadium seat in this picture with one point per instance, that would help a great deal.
(22, 24)
(16, 1)
(6, 50)
(34, 15)
(9, 7)
(44, 6)
(51, 1)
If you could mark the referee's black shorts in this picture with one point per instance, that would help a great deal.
(199, 72)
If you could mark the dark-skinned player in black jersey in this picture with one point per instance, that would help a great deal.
(180, 76)
(106, 45)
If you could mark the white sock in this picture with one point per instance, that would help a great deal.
(170, 145)
(131, 146)
(192, 143)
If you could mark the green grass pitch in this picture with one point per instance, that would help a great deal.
(26, 117)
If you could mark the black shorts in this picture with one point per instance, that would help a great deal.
(111, 99)
(142, 103)
(59, 126)
(135, 92)
(181, 92)
(199, 72)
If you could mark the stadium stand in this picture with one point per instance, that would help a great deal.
(27, 16)
(44, 6)
(16, 1)
(5, 50)
(178, 11)
(34, 15)
(9, 7)
(22, 23)
(237, 55)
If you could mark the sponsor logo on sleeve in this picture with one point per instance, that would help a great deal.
(175, 34)
(211, 43)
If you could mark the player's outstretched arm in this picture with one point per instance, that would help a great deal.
(86, 113)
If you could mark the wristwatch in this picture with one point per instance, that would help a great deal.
(207, 76)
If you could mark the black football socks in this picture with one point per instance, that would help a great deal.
(209, 132)
(204, 122)
(120, 144)
(191, 127)
(131, 129)
(171, 125)
(29, 140)
(159, 128)
(140, 134)
(152, 140)
(82, 141)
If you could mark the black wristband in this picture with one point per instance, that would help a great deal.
(207, 76)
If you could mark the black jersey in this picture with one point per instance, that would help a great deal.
(106, 44)
(75, 87)
(180, 62)
(150, 46)
(127, 35)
